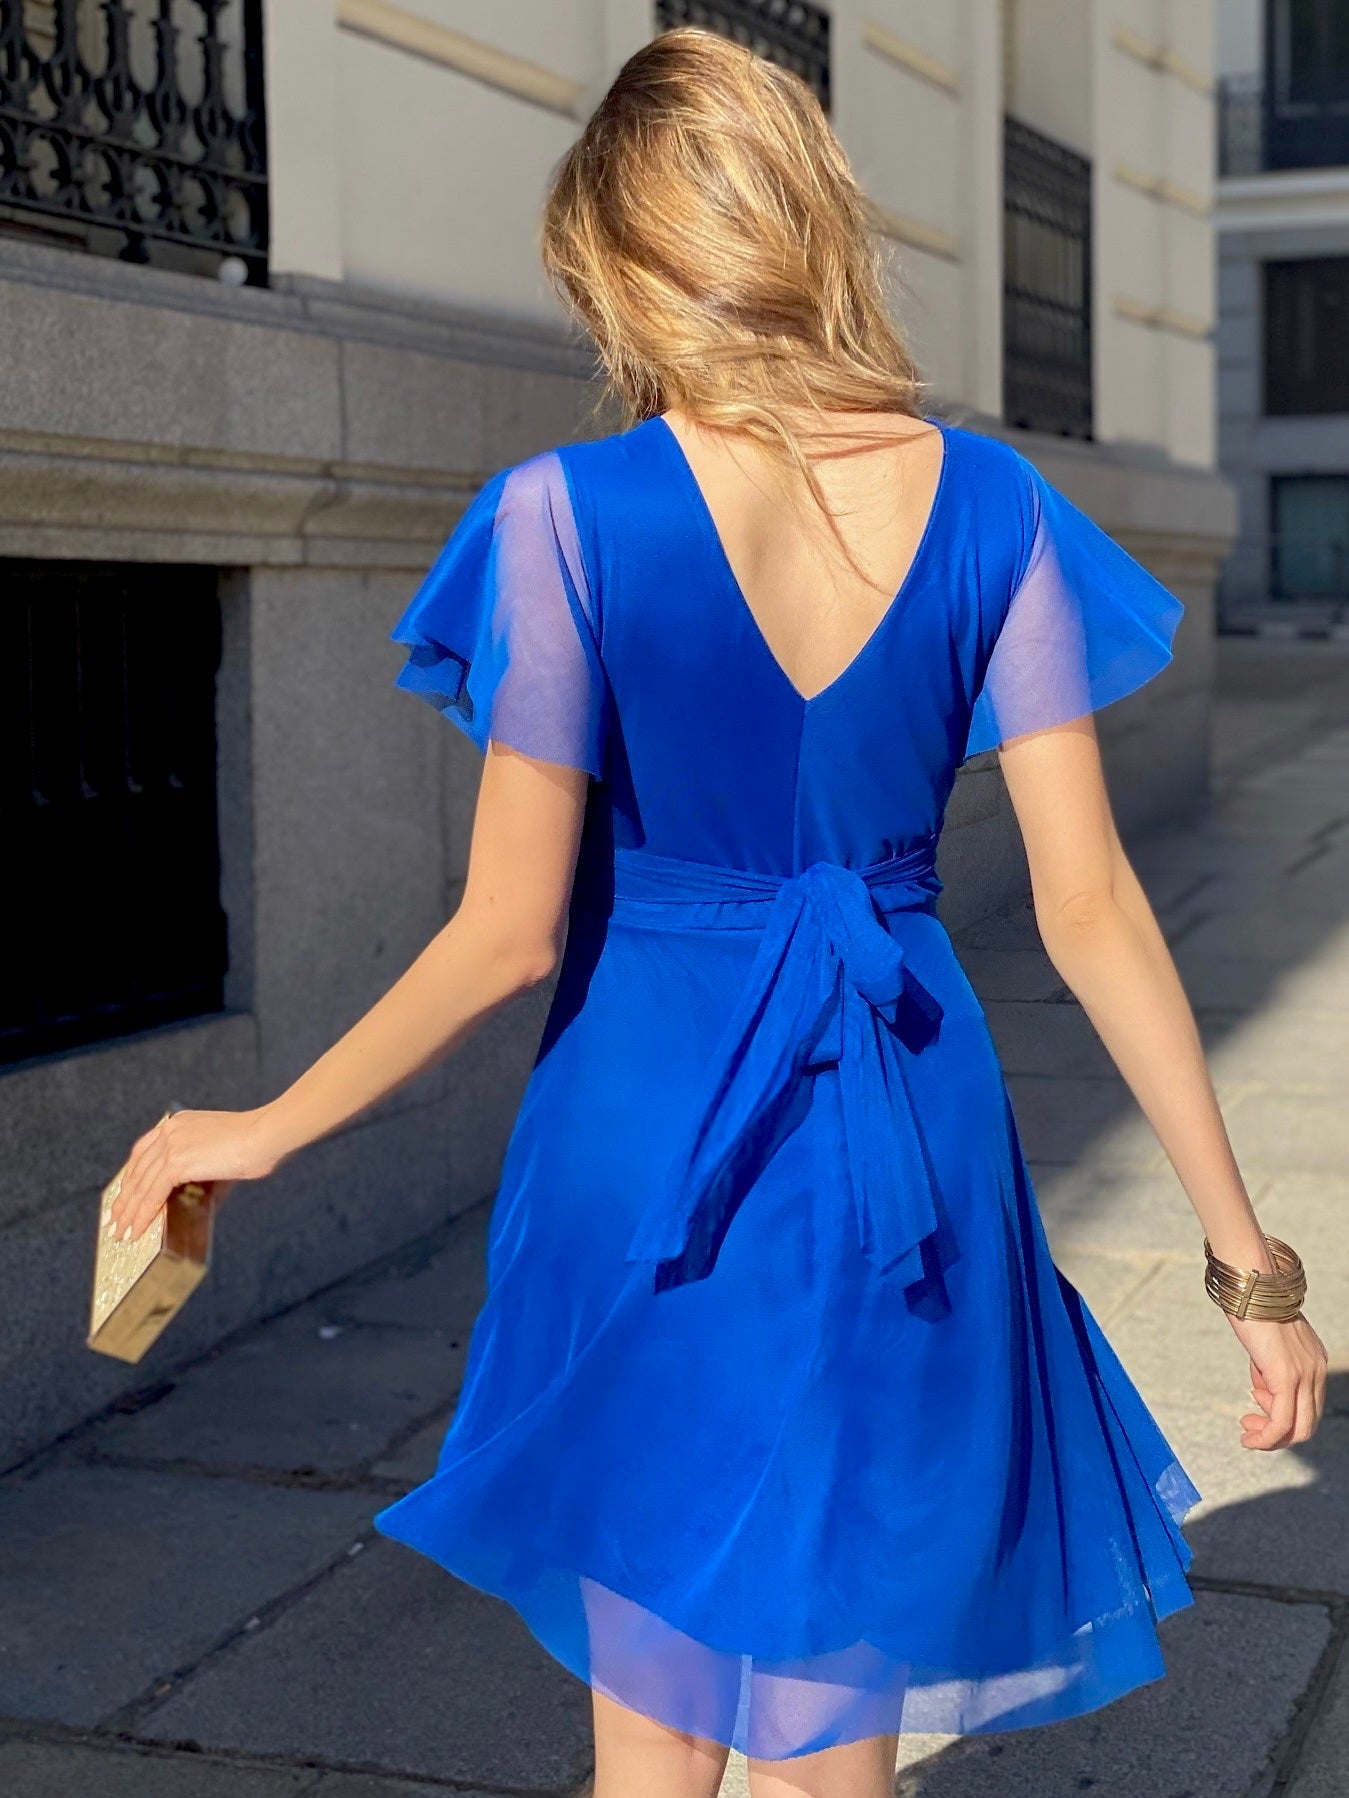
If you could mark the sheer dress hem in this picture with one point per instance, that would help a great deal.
(1090, 1666)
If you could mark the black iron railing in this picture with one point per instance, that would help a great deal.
(109, 910)
(1047, 374)
(790, 32)
(1259, 131)
(136, 128)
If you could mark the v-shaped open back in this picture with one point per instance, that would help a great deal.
(585, 612)
(706, 521)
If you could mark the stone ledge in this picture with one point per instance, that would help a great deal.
(143, 503)
(117, 376)
(308, 303)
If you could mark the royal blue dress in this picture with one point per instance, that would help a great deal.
(779, 1423)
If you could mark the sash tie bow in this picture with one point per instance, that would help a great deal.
(828, 988)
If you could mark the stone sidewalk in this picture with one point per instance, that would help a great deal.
(195, 1604)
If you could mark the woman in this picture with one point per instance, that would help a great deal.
(780, 1426)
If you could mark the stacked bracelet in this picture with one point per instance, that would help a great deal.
(1246, 1292)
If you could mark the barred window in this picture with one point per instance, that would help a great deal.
(1046, 299)
(1306, 327)
(111, 903)
(789, 32)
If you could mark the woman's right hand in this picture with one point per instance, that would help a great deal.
(1288, 1380)
(217, 1148)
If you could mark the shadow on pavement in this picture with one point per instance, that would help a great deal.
(1245, 1664)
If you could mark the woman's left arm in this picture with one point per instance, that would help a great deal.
(505, 936)
(1101, 935)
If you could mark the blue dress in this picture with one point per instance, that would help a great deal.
(779, 1423)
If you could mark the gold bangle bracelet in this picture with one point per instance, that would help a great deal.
(1248, 1293)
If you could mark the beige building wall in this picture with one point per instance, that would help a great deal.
(468, 105)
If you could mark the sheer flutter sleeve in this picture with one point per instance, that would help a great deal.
(1086, 625)
(501, 635)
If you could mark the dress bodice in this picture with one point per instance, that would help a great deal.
(584, 611)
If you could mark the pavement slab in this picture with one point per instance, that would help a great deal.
(1011, 973)
(1110, 1284)
(308, 1394)
(1250, 814)
(1274, 1517)
(1306, 1048)
(1248, 982)
(1302, 883)
(378, 1785)
(408, 1668)
(1014, 929)
(1117, 1211)
(71, 1770)
(440, 1291)
(1311, 1210)
(1323, 1766)
(1278, 1129)
(1068, 1120)
(414, 1460)
(1206, 1731)
(119, 1770)
(1164, 863)
(1048, 1039)
(155, 1568)
(1278, 933)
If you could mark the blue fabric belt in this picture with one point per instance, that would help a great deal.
(828, 987)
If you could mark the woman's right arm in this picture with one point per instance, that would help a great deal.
(504, 937)
(1100, 933)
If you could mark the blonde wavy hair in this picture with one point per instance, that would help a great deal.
(708, 232)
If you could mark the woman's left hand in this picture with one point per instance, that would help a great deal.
(215, 1148)
(1288, 1380)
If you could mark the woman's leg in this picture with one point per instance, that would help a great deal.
(863, 1769)
(636, 1757)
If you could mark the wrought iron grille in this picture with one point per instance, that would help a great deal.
(789, 32)
(1047, 376)
(1259, 129)
(110, 906)
(136, 128)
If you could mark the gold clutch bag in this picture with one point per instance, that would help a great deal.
(141, 1285)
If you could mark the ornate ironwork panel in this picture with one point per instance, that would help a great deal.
(137, 127)
(1047, 374)
(1259, 128)
(110, 907)
(1295, 115)
(789, 32)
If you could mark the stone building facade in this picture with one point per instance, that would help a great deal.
(278, 427)
(1283, 248)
